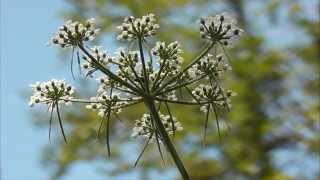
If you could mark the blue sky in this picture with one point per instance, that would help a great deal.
(26, 26)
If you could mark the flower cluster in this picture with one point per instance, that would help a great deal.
(220, 28)
(210, 65)
(100, 55)
(169, 60)
(105, 103)
(128, 64)
(171, 51)
(144, 127)
(104, 83)
(73, 33)
(51, 92)
(214, 94)
(169, 55)
(153, 78)
(226, 103)
(134, 28)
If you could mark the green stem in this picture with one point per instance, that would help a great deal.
(158, 74)
(166, 140)
(60, 122)
(203, 53)
(146, 76)
(182, 102)
(106, 71)
(180, 85)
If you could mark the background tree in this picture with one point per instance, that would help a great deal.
(274, 123)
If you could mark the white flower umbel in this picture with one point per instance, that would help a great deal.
(73, 32)
(104, 103)
(143, 27)
(169, 60)
(144, 127)
(213, 94)
(51, 92)
(211, 65)
(220, 28)
(100, 55)
(169, 56)
(142, 74)
(128, 65)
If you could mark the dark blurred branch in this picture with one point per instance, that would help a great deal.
(280, 141)
(238, 7)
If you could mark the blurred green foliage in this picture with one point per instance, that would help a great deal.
(277, 107)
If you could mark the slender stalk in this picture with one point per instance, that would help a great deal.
(206, 125)
(106, 71)
(60, 123)
(150, 55)
(127, 91)
(157, 138)
(182, 102)
(50, 123)
(146, 77)
(90, 101)
(171, 119)
(132, 81)
(162, 65)
(160, 81)
(203, 53)
(180, 85)
(195, 60)
(136, 76)
(143, 150)
(166, 140)
(108, 132)
(108, 123)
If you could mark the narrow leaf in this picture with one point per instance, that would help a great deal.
(143, 150)
(108, 122)
(217, 121)
(171, 119)
(100, 126)
(71, 65)
(157, 138)
(50, 122)
(79, 65)
(60, 123)
(206, 125)
(107, 132)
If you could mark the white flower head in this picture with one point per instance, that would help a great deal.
(215, 94)
(168, 56)
(73, 33)
(105, 102)
(51, 92)
(221, 28)
(209, 64)
(144, 127)
(100, 55)
(133, 28)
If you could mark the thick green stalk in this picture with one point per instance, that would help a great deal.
(166, 140)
